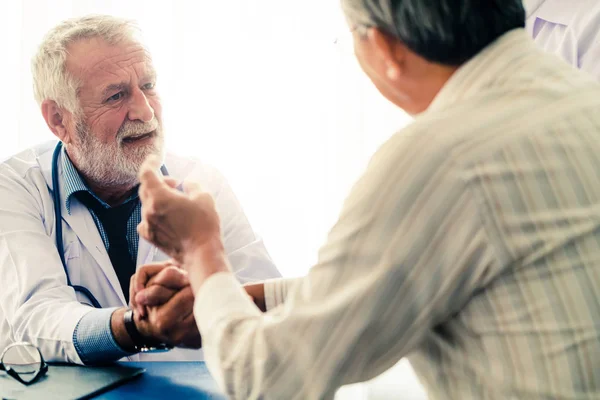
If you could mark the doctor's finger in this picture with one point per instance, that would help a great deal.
(178, 307)
(147, 272)
(132, 292)
(155, 295)
(172, 277)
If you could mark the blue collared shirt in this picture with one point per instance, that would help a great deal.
(569, 29)
(93, 337)
(74, 184)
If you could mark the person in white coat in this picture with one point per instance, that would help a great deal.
(69, 209)
(569, 29)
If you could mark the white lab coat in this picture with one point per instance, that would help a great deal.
(36, 305)
(569, 29)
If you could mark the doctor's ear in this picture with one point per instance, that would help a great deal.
(58, 120)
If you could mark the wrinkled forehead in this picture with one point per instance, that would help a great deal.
(95, 62)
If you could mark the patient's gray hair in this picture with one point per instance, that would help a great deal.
(442, 31)
(51, 80)
(369, 13)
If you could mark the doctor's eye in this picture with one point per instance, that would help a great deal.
(115, 97)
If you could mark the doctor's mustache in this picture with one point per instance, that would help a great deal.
(132, 129)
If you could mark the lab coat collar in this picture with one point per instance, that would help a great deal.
(557, 11)
(82, 223)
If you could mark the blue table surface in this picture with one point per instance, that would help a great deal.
(175, 380)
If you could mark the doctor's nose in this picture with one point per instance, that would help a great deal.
(139, 107)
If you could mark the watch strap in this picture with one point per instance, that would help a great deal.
(134, 334)
(139, 342)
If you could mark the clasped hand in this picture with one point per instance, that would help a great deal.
(186, 226)
(162, 300)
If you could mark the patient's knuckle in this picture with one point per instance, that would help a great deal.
(160, 201)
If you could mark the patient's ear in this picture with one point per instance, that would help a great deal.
(58, 120)
(391, 53)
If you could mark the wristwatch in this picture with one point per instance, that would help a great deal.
(139, 342)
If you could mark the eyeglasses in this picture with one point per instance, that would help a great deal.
(346, 41)
(23, 362)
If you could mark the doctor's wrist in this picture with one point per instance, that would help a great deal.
(130, 335)
(119, 331)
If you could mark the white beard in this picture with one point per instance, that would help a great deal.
(114, 164)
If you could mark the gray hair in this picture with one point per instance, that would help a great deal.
(442, 31)
(374, 13)
(51, 80)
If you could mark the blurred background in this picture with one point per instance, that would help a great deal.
(268, 91)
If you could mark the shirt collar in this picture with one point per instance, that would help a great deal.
(73, 183)
(487, 68)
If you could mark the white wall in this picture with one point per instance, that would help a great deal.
(256, 87)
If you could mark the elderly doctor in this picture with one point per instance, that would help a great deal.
(69, 211)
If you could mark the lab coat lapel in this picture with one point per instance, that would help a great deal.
(146, 252)
(81, 222)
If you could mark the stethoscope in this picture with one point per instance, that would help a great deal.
(58, 225)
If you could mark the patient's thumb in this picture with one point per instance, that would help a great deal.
(172, 182)
(192, 187)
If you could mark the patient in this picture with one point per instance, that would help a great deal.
(470, 245)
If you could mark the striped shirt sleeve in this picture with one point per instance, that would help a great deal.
(276, 290)
(408, 250)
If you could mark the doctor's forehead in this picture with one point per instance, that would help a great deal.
(94, 61)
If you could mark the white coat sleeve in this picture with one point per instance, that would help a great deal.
(36, 305)
(246, 251)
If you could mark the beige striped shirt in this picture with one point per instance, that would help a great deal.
(471, 245)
